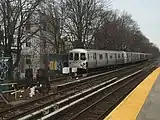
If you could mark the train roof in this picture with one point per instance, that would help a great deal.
(85, 50)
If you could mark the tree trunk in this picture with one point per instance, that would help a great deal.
(18, 57)
(10, 70)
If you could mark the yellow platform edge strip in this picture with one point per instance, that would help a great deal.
(129, 108)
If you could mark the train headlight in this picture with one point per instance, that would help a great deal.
(83, 64)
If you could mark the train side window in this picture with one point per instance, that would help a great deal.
(83, 56)
(118, 55)
(100, 56)
(71, 56)
(122, 55)
(115, 55)
(94, 56)
(106, 55)
(110, 56)
(88, 57)
(76, 56)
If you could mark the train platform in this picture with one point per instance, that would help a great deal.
(143, 103)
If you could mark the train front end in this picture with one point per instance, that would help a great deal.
(78, 59)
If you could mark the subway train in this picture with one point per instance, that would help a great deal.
(85, 59)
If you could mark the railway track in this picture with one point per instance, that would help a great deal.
(88, 105)
(39, 103)
(103, 106)
(59, 79)
(68, 78)
(41, 106)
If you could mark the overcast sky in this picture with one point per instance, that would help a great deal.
(146, 13)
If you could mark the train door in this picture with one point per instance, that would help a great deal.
(100, 60)
(88, 60)
(95, 59)
(122, 59)
(118, 58)
(106, 58)
(131, 57)
(140, 56)
(127, 57)
(109, 59)
(115, 58)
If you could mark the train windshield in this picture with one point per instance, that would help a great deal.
(76, 56)
(83, 57)
(71, 56)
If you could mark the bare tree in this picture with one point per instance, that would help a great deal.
(121, 32)
(51, 16)
(116, 31)
(71, 21)
(15, 14)
(82, 20)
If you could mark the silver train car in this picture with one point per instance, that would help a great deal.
(84, 59)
